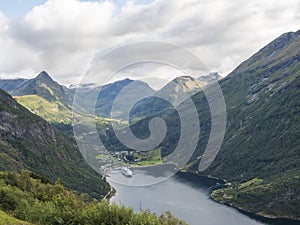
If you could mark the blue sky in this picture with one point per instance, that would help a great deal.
(17, 8)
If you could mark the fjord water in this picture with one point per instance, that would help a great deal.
(187, 197)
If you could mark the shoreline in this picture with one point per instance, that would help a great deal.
(219, 185)
(261, 217)
(112, 192)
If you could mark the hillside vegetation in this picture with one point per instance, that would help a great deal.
(9, 220)
(54, 112)
(29, 142)
(32, 198)
(262, 138)
(278, 198)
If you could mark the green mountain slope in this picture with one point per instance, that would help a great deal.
(263, 105)
(43, 97)
(272, 198)
(54, 112)
(44, 86)
(30, 198)
(29, 142)
(262, 139)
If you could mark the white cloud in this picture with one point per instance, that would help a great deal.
(62, 36)
(14, 55)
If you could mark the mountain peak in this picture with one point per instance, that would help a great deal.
(44, 86)
(185, 83)
(210, 77)
(284, 47)
(181, 79)
(44, 76)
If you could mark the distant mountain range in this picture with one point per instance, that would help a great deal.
(47, 98)
(171, 95)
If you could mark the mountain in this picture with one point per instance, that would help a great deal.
(42, 96)
(160, 104)
(260, 154)
(110, 92)
(172, 92)
(44, 86)
(27, 142)
(50, 100)
(169, 96)
(107, 94)
(53, 102)
(211, 77)
(178, 87)
(11, 84)
(262, 105)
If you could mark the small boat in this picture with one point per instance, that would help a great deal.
(126, 172)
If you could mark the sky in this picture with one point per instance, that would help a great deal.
(63, 37)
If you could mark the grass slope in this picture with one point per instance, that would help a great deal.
(54, 112)
(6, 219)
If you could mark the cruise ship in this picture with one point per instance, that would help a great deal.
(126, 172)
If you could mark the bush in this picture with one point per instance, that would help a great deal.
(28, 197)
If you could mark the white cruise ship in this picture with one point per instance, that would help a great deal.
(126, 172)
